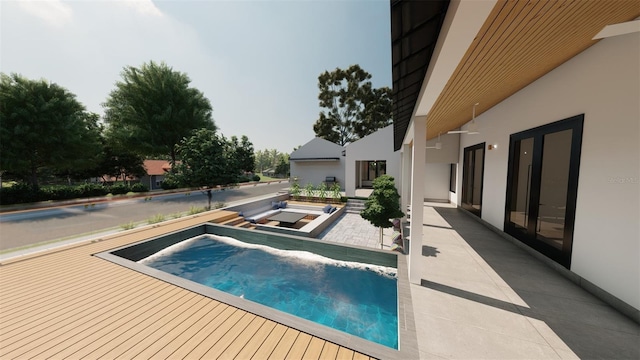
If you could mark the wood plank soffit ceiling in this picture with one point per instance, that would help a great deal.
(520, 42)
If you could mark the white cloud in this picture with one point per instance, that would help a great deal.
(145, 7)
(54, 12)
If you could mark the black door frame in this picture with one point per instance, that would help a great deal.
(574, 123)
(472, 151)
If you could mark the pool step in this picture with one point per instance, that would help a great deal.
(233, 221)
(355, 206)
(244, 224)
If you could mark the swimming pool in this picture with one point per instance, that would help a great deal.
(359, 299)
(129, 255)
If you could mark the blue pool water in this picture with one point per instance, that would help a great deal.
(356, 298)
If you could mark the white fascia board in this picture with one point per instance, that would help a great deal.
(618, 29)
(461, 25)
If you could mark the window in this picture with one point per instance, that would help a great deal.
(453, 173)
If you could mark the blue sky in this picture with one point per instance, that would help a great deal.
(256, 61)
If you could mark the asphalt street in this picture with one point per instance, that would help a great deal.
(24, 228)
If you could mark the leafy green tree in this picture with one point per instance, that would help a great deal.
(244, 153)
(383, 204)
(43, 126)
(283, 166)
(352, 107)
(207, 160)
(153, 108)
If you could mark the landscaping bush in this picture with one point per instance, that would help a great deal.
(92, 190)
(243, 179)
(60, 193)
(119, 189)
(19, 193)
(169, 184)
(256, 177)
(139, 187)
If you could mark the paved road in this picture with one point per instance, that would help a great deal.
(37, 226)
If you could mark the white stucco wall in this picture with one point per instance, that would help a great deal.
(603, 83)
(376, 146)
(436, 181)
(315, 171)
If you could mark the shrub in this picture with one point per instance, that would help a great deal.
(156, 219)
(128, 226)
(169, 184)
(92, 190)
(20, 193)
(139, 187)
(256, 177)
(195, 210)
(119, 189)
(243, 179)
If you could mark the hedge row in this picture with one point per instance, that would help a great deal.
(23, 193)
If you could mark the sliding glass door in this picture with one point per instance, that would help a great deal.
(542, 187)
(472, 175)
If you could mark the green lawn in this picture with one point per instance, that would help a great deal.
(264, 178)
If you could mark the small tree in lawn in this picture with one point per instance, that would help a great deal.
(383, 204)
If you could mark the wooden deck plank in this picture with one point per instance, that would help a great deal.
(52, 309)
(299, 347)
(344, 354)
(329, 351)
(41, 321)
(143, 330)
(182, 334)
(270, 342)
(169, 335)
(359, 356)
(76, 282)
(284, 345)
(227, 339)
(314, 349)
(213, 337)
(242, 338)
(49, 306)
(197, 338)
(258, 338)
(93, 314)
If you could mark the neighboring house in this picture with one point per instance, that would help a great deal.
(316, 160)
(371, 157)
(552, 158)
(156, 170)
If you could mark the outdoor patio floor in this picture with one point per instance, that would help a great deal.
(481, 297)
(66, 303)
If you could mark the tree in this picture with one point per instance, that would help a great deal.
(153, 108)
(353, 108)
(207, 160)
(244, 153)
(383, 204)
(283, 166)
(42, 125)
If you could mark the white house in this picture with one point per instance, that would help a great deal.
(552, 157)
(370, 157)
(316, 160)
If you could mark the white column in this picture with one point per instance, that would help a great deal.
(405, 177)
(417, 196)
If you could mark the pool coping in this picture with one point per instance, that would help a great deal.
(408, 346)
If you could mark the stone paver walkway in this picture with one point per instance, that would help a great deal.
(352, 229)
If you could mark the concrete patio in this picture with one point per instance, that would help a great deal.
(483, 297)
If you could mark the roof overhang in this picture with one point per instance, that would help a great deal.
(315, 159)
(488, 50)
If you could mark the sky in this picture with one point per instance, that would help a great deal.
(256, 61)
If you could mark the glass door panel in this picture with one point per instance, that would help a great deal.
(477, 178)
(554, 180)
(473, 173)
(519, 209)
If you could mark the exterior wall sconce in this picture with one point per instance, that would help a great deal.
(492, 146)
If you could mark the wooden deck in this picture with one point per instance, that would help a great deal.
(66, 303)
